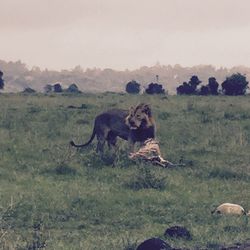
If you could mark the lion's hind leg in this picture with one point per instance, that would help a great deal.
(112, 140)
(103, 136)
(100, 144)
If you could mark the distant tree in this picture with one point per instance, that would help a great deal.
(204, 90)
(155, 88)
(133, 87)
(29, 90)
(236, 84)
(185, 89)
(58, 88)
(180, 89)
(194, 82)
(48, 88)
(1, 80)
(213, 86)
(73, 89)
(189, 88)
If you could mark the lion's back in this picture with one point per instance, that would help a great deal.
(114, 120)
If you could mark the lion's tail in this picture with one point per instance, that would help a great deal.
(85, 144)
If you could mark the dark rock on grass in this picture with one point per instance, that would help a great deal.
(154, 244)
(178, 232)
(83, 106)
(238, 246)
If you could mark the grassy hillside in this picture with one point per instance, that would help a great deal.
(52, 194)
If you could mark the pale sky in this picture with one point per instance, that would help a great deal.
(120, 34)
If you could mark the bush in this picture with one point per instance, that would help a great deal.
(211, 88)
(236, 84)
(58, 88)
(189, 88)
(133, 87)
(155, 88)
(48, 88)
(28, 91)
(204, 90)
(73, 89)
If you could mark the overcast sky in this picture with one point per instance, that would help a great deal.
(120, 34)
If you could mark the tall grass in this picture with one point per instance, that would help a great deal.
(56, 196)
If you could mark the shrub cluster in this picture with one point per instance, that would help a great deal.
(57, 88)
(134, 87)
(155, 88)
(236, 84)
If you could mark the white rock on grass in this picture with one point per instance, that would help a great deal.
(230, 208)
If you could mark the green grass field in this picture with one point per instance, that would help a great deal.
(52, 194)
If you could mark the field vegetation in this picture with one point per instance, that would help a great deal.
(54, 196)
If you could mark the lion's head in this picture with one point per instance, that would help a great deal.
(139, 117)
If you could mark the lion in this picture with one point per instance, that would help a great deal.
(134, 125)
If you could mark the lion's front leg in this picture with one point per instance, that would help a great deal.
(131, 145)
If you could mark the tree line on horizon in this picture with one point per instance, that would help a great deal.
(234, 85)
(18, 76)
(48, 88)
